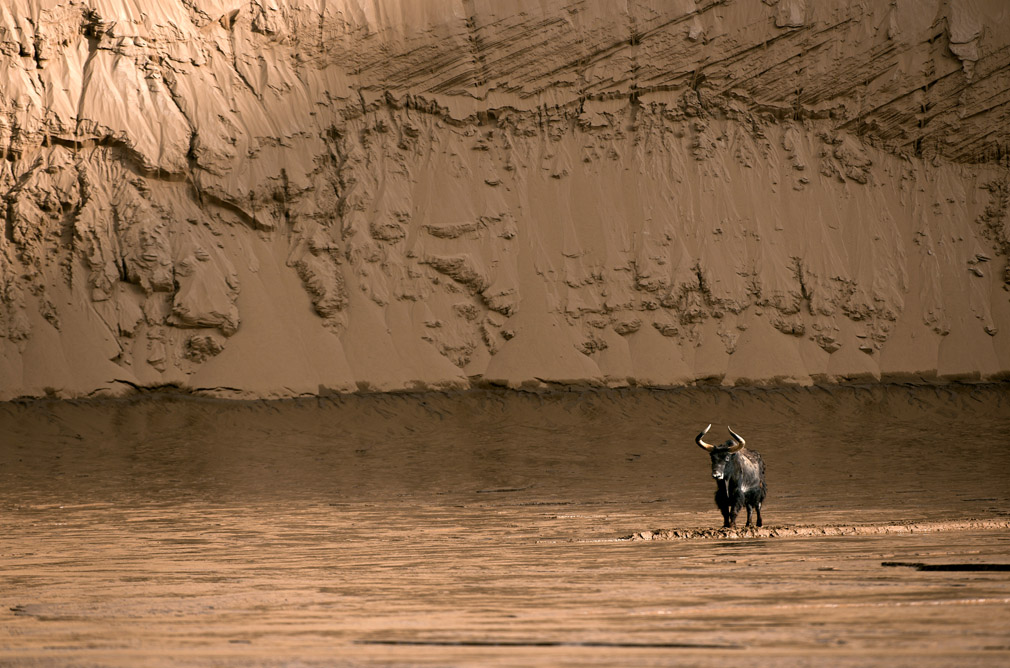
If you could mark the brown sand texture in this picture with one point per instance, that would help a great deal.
(298, 197)
(502, 528)
(378, 332)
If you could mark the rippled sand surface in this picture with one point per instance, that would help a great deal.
(492, 529)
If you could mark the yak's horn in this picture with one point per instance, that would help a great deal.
(702, 443)
(739, 440)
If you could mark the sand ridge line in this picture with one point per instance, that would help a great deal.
(806, 531)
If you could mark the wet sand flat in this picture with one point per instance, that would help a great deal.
(495, 529)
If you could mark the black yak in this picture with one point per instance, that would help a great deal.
(739, 477)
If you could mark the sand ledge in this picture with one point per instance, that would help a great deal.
(136, 392)
(804, 531)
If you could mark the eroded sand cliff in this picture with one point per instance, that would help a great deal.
(276, 197)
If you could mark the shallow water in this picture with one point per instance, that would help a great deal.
(484, 529)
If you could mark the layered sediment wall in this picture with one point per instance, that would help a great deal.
(282, 197)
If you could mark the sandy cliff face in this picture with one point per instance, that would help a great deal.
(275, 197)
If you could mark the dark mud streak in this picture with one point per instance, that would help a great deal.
(947, 567)
(546, 643)
(504, 490)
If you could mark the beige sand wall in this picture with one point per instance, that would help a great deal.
(276, 197)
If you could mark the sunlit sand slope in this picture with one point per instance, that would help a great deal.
(286, 197)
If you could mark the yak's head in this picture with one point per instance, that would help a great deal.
(721, 454)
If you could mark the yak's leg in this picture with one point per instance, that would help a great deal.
(737, 502)
(725, 505)
(758, 509)
(748, 515)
